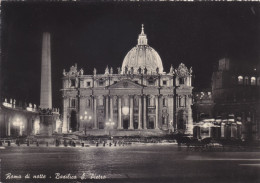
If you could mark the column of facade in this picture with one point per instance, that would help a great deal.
(145, 113)
(176, 112)
(111, 108)
(107, 116)
(82, 108)
(119, 109)
(65, 123)
(131, 112)
(140, 112)
(171, 108)
(9, 127)
(189, 80)
(95, 113)
(156, 111)
(190, 121)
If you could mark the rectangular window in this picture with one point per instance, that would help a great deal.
(101, 83)
(115, 82)
(151, 82)
(88, 84)
(164, 83)
(181, 81)
(136, 82)
(164, 102)
(73, 103)
(72, 83)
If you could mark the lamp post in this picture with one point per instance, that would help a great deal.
(110, 125)
(19, 123)
(85, 118)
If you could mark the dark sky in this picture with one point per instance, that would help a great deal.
(100, 34)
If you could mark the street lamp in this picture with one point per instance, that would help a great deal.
(85, 118)
(110, 125)
(19, 123)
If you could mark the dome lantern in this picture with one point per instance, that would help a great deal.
(142, 39)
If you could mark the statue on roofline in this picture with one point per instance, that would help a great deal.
(94, 71)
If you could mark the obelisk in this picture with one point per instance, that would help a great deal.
(47, 118)
(46, 94)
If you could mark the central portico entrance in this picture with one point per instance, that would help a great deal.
(125, 123)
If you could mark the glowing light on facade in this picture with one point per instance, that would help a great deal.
(240, 79)
(36, 127)
(125, 110)
(18, 123)
(253, 81)
(58, 125)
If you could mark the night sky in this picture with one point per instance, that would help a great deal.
(100, 34)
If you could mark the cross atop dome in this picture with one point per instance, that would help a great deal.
(142, 39)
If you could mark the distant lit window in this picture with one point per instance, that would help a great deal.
(246, 80)
(88, 84)
(181, 81)
(253, 80)
(240, 80)
(258, 81)
(73, 103)
(164, 83)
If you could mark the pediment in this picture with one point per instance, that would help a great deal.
(125, 84)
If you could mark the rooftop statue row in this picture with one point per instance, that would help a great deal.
(182, 71)
(30, 107)
(12, 104)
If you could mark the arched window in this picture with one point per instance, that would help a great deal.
(258, 81)
(240, 80)
(246, 80)
(253, 81)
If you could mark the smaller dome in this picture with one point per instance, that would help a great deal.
(143, 56)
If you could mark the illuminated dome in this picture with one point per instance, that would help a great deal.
(142, 56)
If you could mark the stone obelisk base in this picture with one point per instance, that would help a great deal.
(46, 125)
(47, 122)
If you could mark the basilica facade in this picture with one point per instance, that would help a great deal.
(139, 96)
